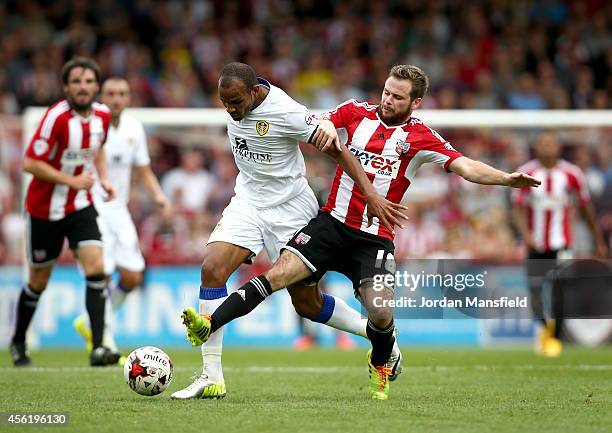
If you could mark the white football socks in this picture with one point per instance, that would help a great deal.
(117, 295)
(212, 349)
(346, 318)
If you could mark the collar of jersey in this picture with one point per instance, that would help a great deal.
(263, 82)
(266, 84)
(84, 119)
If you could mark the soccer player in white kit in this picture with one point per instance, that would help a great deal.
(272, 201)
(126, 154)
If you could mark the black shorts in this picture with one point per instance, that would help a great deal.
(327, 244)
(45, 239)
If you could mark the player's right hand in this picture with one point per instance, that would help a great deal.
(389, 214)
(82, 181)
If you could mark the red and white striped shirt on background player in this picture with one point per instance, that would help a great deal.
(548, 207)
(68, 142)
(390, 156)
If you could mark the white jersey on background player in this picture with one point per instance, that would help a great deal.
(127, 154)
(126, 147)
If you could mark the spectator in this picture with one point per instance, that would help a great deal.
(189, 185)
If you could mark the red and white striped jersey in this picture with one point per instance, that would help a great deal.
(548, 207)
(68, 142)
(390, 156)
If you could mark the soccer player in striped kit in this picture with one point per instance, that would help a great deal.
(543, 217)
(390, 144)
(62, 156)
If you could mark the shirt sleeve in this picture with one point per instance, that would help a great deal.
(300, 124)
(437, 149)
(578, 184)
(341, 115)
(45, 137)
(141, 158)
(104, 112)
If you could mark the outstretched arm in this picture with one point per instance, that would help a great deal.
(479, 172)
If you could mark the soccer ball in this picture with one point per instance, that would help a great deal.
(148, 370)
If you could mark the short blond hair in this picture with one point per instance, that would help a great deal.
(417, 77)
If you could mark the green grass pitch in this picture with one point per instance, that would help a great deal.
(454, 390)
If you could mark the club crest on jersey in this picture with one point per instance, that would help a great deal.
(262, 127)
(40, 147)
(402, 147)
(302, 239)
(40, 255)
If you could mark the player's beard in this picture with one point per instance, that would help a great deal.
(395, 118)
(81, 106)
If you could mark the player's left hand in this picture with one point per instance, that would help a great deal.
(326, 138)
(109, 189)
(389, 214)
(522, 180)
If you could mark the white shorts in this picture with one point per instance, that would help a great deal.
(249, 227)
(121, 247)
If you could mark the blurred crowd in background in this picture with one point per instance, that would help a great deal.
(545, 54)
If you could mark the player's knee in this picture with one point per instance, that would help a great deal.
(38, 285)
(93, 265)
(381, 319)
(39, 278)
(131, 280)
(214, 273)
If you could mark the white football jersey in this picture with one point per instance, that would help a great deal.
(265, 147)
(126, 146)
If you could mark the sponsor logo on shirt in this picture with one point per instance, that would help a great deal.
(262, 127)
(77, 157)
(241, 150)
(377, 164)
